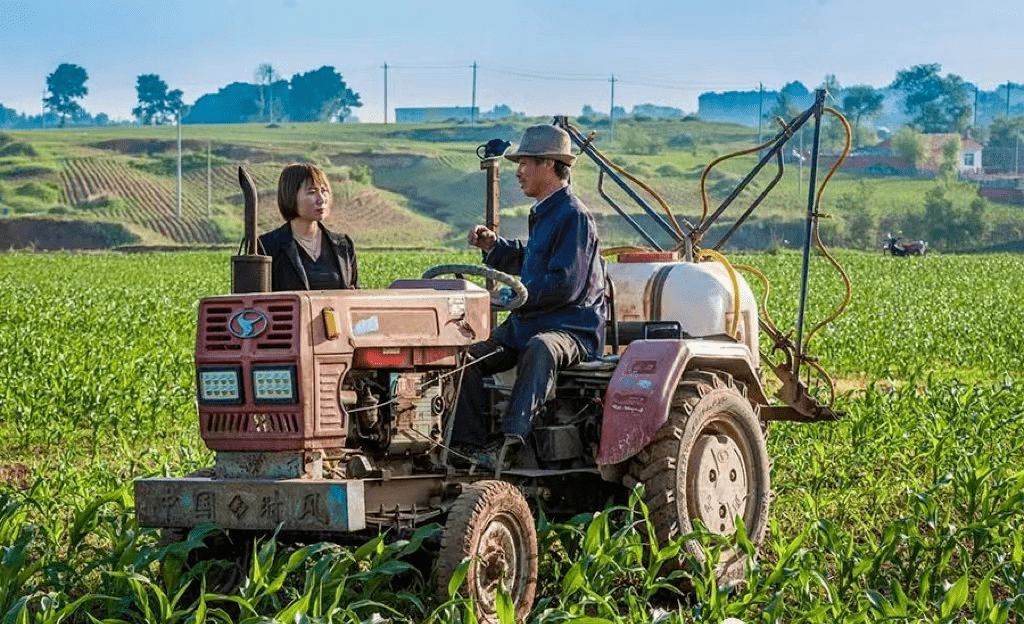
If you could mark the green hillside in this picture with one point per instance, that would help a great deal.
(421, 185)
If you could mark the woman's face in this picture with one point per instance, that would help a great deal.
(313, 201)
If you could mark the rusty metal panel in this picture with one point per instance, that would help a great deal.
(293, 504)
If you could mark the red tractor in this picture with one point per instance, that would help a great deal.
(330, 411)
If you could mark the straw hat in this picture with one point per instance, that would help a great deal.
(544, 141)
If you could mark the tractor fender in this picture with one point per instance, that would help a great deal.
(639, 395)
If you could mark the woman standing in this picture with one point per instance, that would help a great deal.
(305, 254)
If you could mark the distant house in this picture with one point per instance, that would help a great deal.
(436, 114)
(968, 160)
(882, 160)
(970, 156)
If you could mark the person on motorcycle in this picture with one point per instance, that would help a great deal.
(562, 321)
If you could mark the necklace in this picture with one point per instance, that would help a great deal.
(310, 244)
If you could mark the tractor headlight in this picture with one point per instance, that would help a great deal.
(274, 384)
(220, 385)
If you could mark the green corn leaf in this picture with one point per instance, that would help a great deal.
(503, 606)
(572, 580)
(956, 597)
(458, 577)
(983, 597)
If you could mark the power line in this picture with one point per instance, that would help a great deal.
(544, 76)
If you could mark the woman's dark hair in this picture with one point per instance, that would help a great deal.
(291, 180)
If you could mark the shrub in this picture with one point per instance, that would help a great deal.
(670, 171)
(229, 229)
(681, 141)
(101, 202)
(17, 148)
(362, 174)
(25, 168)
(39, 190)
(633, 140)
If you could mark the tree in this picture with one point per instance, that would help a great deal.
(320, 95)
(266, 75)
(950, 158)
(948, 225)
(1005, 139)
(1005, 132)
(861, 222)
(908, 144)
(862, 101)
(936, 104)
(156, 103)
(831, 85)
(65, 85)
(784, 107)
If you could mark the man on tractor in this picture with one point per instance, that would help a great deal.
(562, 321)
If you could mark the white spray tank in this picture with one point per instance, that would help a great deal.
(651, 286)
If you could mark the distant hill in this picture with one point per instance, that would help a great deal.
(414, 186)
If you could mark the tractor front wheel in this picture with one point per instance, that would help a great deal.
(708, 462)
(491, 525)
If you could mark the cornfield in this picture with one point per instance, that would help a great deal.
(909, 509)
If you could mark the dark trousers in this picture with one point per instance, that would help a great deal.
(538, 364)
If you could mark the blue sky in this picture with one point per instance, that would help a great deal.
(539, 57)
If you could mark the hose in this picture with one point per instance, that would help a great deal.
(764, 300)
(817, 235)
(711, 165)
(714, 255)
(638, 182)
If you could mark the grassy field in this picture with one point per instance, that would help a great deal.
(420, 185)
(907, 510)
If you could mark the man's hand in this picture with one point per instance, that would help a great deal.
(480, 236)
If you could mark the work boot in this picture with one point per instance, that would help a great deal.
(498, 454)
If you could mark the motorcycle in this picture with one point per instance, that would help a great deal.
(896, 248)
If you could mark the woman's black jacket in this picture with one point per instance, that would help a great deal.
(286, 268)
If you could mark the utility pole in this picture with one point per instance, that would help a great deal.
(974, 124)
(760, 111)
(472, 107)
(611, 112)
(209, 180)
(1007, 98)
(178, 211)
(385, 93)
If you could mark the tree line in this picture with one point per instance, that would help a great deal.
(317, 95)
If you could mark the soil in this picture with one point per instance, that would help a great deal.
(51, 234)
(16, 476)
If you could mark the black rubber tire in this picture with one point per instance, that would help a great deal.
(486, 272)
(491, 523)
(710, 416)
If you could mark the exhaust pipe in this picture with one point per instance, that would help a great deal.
(250, 270)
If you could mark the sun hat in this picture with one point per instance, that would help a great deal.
(544, 141)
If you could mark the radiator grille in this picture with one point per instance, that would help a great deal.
(251, 425)
(280, 333)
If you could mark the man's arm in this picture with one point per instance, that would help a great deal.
(568, 268)
(499, 253)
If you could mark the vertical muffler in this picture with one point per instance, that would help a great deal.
(250, 270)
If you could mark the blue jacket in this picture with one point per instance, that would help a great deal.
(562, 271)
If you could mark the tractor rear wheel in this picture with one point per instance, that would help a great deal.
(491, 525)
(708, 462)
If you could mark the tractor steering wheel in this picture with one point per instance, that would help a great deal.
(503, 300)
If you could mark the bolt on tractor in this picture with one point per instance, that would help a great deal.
(330, 412)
